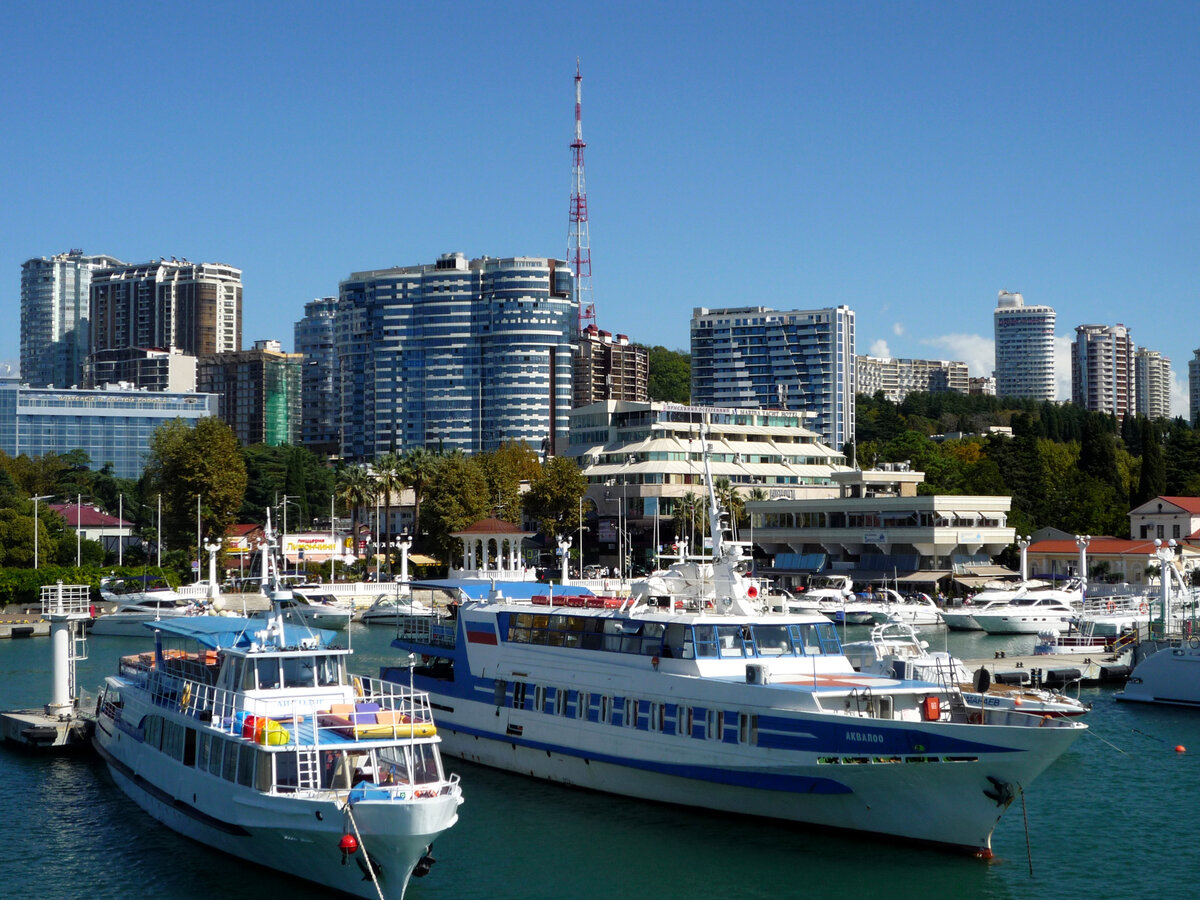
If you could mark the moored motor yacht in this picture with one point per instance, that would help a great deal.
(250, 737)
(128, 619)
(1028, 614)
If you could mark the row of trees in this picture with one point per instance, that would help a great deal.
(1064, 466)
(198, 482)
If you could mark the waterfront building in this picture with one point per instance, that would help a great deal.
(642, 460)
(457, 355)
(897, 378)
(259, 392)
(147, 370)
(314, 342)
(1119, 559)
(168, 304)
(1194, 387)
(1166, 518)
(1102, 372)
(1024, 348)
(1152, 384)
(876, 527)
(753, 357)
(112, 426)
(609, 368)
(94, 524)
(54, 317)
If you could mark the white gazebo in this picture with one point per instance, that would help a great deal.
(492, 549)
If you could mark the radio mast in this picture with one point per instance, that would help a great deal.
(579, 245)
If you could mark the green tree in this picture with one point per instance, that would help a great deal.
(730, 502)
(203, 462)
(418, 466)
(355, 488)
(670, 375)
(690, 516)
(505, 468)
(457, 498)
(553, 499)
(389, 480)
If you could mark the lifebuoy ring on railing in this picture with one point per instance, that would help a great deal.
(358, 688)
(1111, 606)
(186, 697)
(1143, 608)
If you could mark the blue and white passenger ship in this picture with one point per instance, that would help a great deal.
(249, 736)
(722, 703)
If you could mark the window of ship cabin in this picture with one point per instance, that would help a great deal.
(539, 697)
(214, 758)
(229, 764)
(268, 673)
(652, 639)
(580, 703)
(172, 743)
(518, 628)
(656, 716)
(425, 766)
(772, 640)
(203, 749)
(246, 765)
(189, 746)
(152, 731)
(393, 766)
(677, 642)
(747, 728)
(592, 638)
(806, 637)
(518, 695)
(705, 639)
(560, 701)
(729, 639)
(500, 693)
(685, 719)
(714, 724)
(299, 671)
(629, 714)
(287, 779)
(605, 709)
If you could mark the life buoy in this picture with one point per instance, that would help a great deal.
(1111, 606)
(186, 697)
(358, 688)
(1143, 609)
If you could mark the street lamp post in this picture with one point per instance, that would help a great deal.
(120, 529)
(78, 526)
(1023, 543)
(35, 525)
(199, 542)
(564, 549)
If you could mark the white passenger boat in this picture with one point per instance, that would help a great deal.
(248, 736)
(1029, 614)
(729, 707)
(129, 619)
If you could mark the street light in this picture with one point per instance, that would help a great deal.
(35, 525)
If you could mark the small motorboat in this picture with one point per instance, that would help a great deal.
(388, 608)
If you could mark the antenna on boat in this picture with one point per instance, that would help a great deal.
(714, 511)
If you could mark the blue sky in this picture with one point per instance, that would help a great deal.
(909, 160)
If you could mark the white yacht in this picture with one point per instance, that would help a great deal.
(388, 608)
(916, 609)
(1029, 614)
(249, 736)
(129, 619)
(717, 701)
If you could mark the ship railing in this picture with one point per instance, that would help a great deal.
(435, 631)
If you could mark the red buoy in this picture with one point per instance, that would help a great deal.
(348, 844)
(1179, 748)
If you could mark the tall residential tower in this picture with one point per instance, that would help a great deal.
(758, 358)
(1024, 349)
(54, 317)
(1102, 374)
(1152, 377)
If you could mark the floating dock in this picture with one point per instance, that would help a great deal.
(1056, 670)
(20, 626)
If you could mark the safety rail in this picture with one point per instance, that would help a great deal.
(435, 630)
(364, 710)
(62, 598)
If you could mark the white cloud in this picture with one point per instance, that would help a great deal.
(978, 352)
(1179, 395)
(880, 349)
(897, 329)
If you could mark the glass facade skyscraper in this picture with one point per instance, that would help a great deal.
(54, 317)
(758, 358)
(458, 355)
(314, 341)
(1024, 349)
(113, 426)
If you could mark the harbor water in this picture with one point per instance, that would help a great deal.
(1113, 817)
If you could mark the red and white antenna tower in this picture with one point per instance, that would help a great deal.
(579, 245)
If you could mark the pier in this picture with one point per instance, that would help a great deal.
(23, 625)
(1056, 670)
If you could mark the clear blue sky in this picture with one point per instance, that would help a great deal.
(906, 159)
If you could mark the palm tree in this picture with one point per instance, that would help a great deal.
(691, 515)
(388, 478)
(417, 468)
(356, 489)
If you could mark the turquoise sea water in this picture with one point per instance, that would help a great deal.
(1112, 818)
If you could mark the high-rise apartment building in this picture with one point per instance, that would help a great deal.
(54, 317)
(1152, 381)
(1024, 349)
(609, 368)
(759, 358)
(259, 392)
(897, 378)
(1102, 374)
(148, 370)
(455, 355)
(166, 305)
(314, 341)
